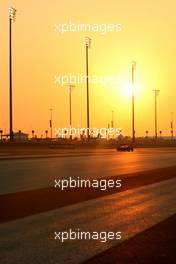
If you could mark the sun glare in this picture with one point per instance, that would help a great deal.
(127, 89)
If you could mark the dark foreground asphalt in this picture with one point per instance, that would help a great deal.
(144, 209)
(21, 204)
(156, 245)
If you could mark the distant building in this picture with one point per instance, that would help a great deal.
(20, 136)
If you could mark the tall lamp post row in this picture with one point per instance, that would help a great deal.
(156, 93)
(12, 16)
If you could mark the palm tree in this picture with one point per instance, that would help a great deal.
(147, 132)
(19, 132)
(46, 133)
(1, 134)
(33, 133)
(160, 133)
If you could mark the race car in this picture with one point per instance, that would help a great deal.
(125, 148)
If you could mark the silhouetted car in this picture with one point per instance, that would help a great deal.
(125, 148)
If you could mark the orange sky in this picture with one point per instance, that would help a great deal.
(39, 53)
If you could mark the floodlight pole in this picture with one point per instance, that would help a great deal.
(51, 122)
(133, 109)
(88, 42)
(70, 105)
(112, 119)
(156, 93)
(12, 14)
(172, 125)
